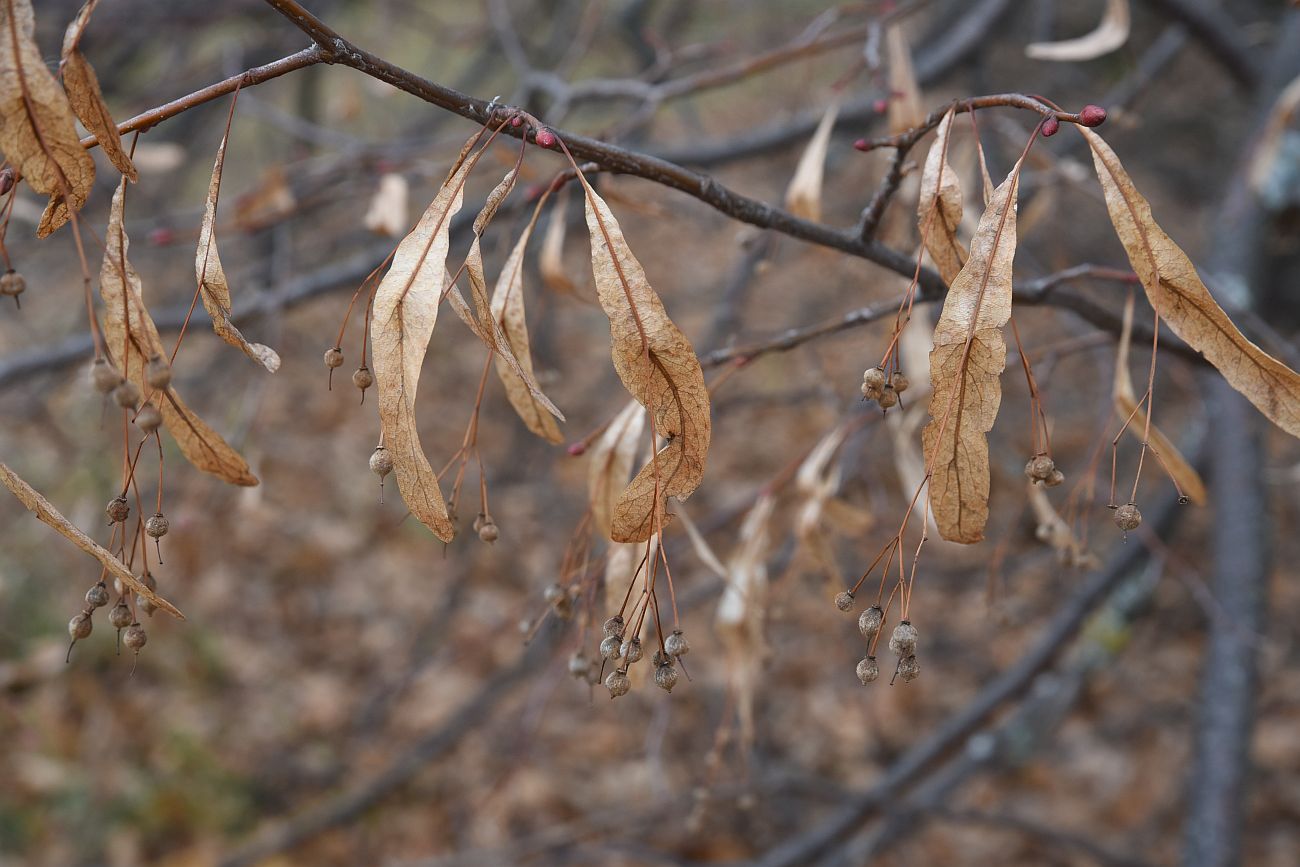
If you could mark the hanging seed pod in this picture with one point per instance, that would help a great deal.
(611, 647)
(617, 683)
(334, 358)
(614, 626)
(119, 617)
(1057, 477)
(97, 596)
(660, 658)
(135, 637)
(844, 600)
(676, 644)
(1127, 517)
(158, 373)
(381, 462)
(489, 532)
(870, 621)
(362, 378)
(148, 419)
(666, 677)
(126, 395)
(12, 284)
(908, 669)
(579, 666)
(117, 509)
(142, 602)
(899, 382)
(632, 651)
(104, 376)
(873, 380)
(868, 670)
(80, 627)
(157, 526)
(1040, 468)
(888, 398)
(903, 641)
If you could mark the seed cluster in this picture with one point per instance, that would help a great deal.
(901, 642)
(624, 651)
(884, 389)
(1041, 468)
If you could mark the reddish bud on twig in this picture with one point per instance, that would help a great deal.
(1092, 115)
(880, 106)
(516, 121)
(546, 138)
(1050, 127)
(862, 145)
(161, 236)
(576, 449)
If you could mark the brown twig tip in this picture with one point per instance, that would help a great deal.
(1092, 115)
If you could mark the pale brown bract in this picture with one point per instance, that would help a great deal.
(803, 197)
(658, 367)
(38, 134)
(611, 459)
(214, 289)
(939, 207)
(966, 364)
(46, 512)
(131, 339)
(405, 311)
(1186, 305)
(82, 86)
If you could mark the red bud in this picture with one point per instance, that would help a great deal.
(576, 449)
(880, 106)
(545, 138)
(1092, 115)
(1050, 127)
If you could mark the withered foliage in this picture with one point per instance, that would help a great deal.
(82, 86)
(939, 208)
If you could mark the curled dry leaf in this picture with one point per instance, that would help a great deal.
(214, 289)
(387, 212)
(804, 195)
(742, 612)
(965, 366)
(658, 367)
(612, 458)
(818, 482)
(1126, 407)
(1178, 295)
(905, 108)
(508, 313)
(482, 320)
(405, 310)
(87, 101)
(37, 132)
(34, 502)
(1110, 34)
(131, 339)
(939, 207)
(1053, 531)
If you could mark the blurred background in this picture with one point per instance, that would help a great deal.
(348, 690)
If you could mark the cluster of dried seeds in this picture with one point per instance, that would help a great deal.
(1042, 469)
(884, 390)
(617, 647)
(901, 642)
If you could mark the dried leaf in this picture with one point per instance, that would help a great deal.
(87, 101)
(1126, 407)
(1052, 530)
(508, 312)
(1110, 34)
(658, 367)
(404, 312)
(387, 212)
(1181, 299)
(482, 320)
(905, 108)
(612, 457)
(270, 201)
(803, 197)
(939, 207)
(34, 502)
(38, 134)
(214, 289)
(965, 365)
(550, 261)
(131, 339)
